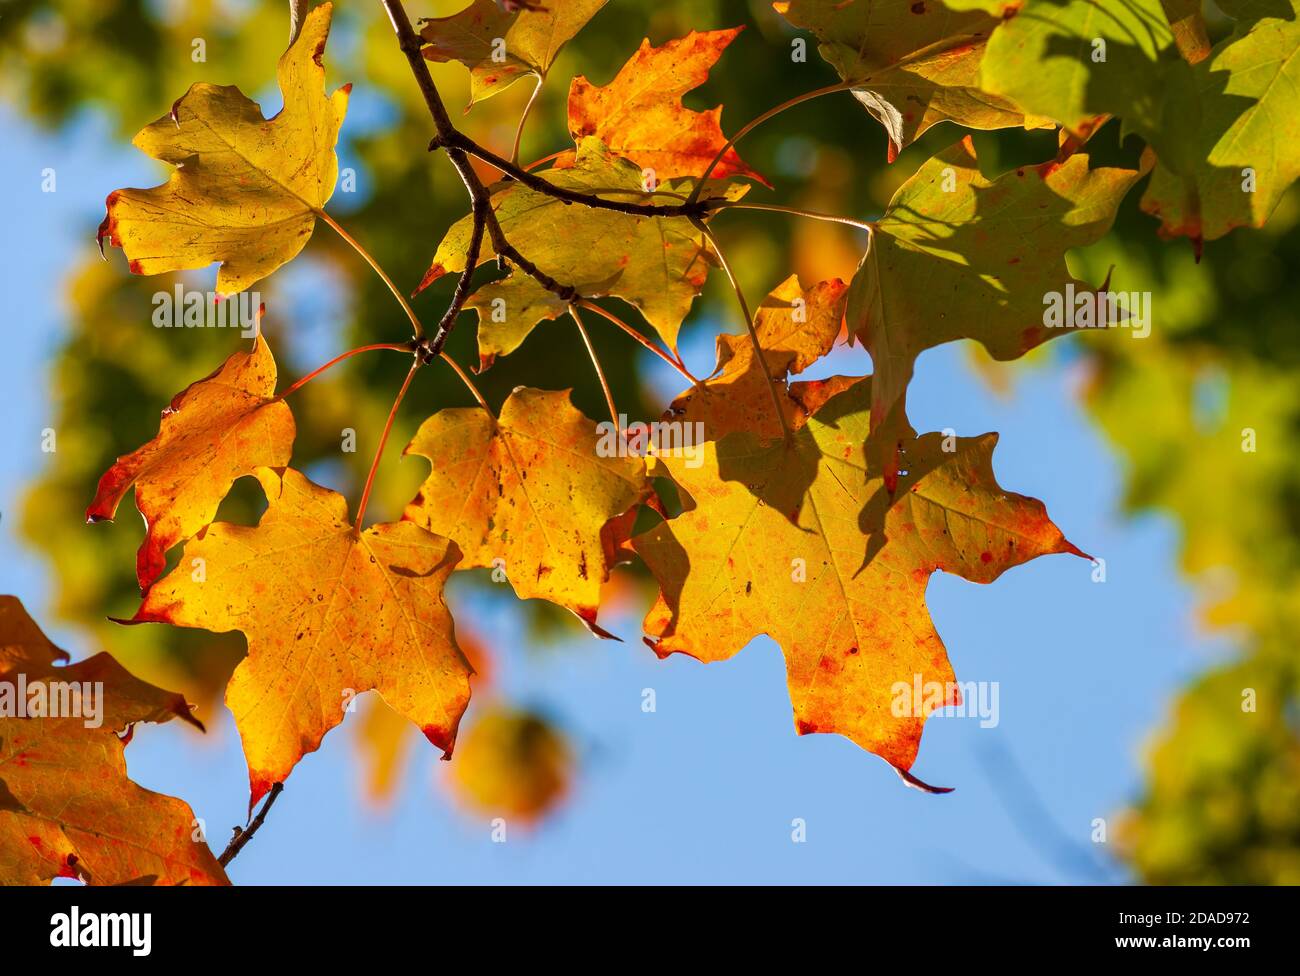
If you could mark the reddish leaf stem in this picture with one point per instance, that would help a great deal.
(379, 451)
(397, 293)
(676, 364)
(397, 347)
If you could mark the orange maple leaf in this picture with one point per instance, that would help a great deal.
(640, 113)
(67, 808)
(215, 431)
(800, 540)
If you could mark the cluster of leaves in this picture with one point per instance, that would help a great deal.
(817, 514)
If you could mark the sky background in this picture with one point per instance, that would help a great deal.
(705, 789)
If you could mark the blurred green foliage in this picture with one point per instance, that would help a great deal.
(1220, 800)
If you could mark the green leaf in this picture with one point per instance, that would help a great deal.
(915, 63)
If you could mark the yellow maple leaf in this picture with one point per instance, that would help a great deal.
(496, 485)
(246, 190)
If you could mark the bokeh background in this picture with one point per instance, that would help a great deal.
(1122, 753)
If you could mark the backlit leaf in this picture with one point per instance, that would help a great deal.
(914, 64)
(67, 808)
(795, 327)
(640, 113)
(801, 541)
(215, 431)
(246, 190)
(328, 614)
(501, 46)
(958, 256)
(495, 488)
(658, 264)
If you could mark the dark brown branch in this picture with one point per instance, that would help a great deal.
(698, 208)
(448, 138)
(430, 348)
(244, 835)
(458, 147)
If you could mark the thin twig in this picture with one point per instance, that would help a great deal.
(397, 293)
(676, 364)
(595, 361)
(243, 836)
(383, 439)
(749, 324)
(398, 347)
(449, 139)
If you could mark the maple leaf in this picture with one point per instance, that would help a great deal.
(509, 309)
(795, 327)
(1078, 61)
(67, 808)
(246, 190)
(1074, 60)
(640, 114)
(913, 64)
(1225, 161)
(500, 46)
(800, 540)
(957, 256)
(215, 431)
(328, 613)
(495, 485)
(658, 264)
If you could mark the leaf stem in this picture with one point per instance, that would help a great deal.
(523, 119)
(749, 325)
(242, 837)
(795, 211)
(595, 361)
(398, 347)
(755, 123)
(356, 245)
(546, 159)
(383, 439)
(676, 364)
(464, 376)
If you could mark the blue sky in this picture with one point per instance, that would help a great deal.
(705, 789)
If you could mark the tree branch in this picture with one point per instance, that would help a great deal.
(696, 208)
(243, 836)
(449, 139)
